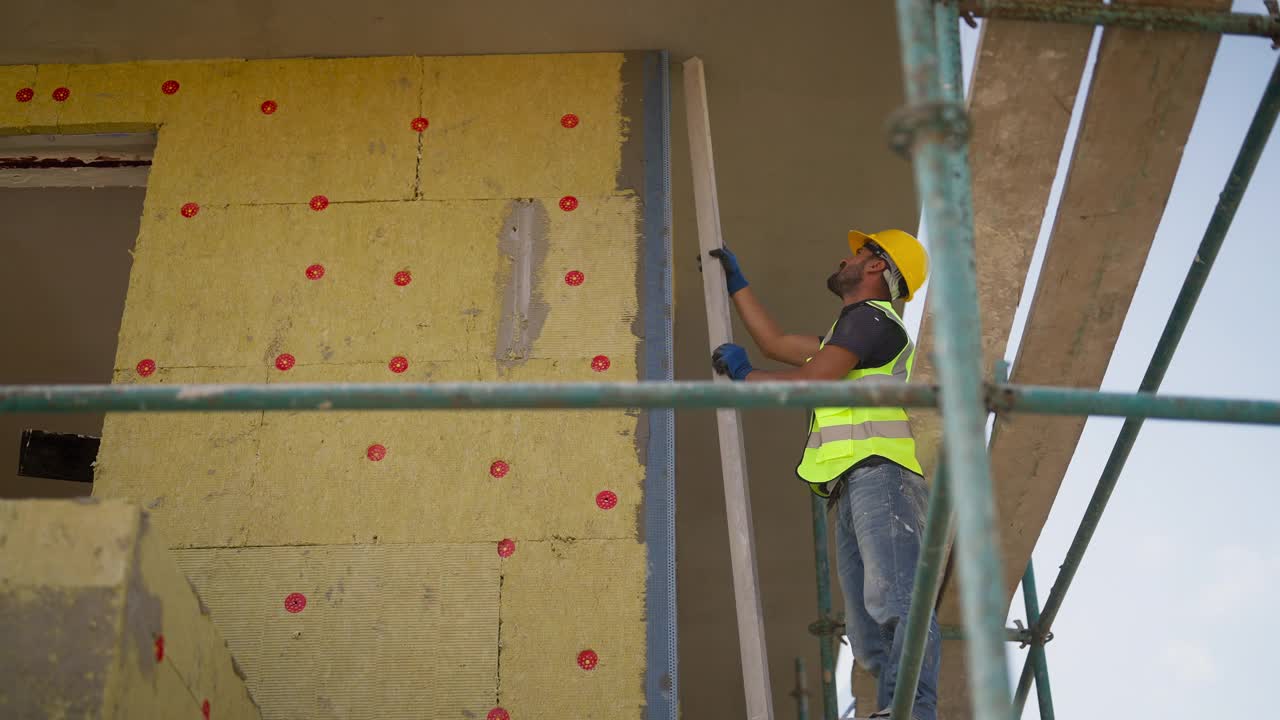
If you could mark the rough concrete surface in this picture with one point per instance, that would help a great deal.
(99, 622)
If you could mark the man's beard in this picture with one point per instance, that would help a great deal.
(841, 286)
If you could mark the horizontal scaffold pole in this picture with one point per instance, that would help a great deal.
(1005, 398)
(1020, 635)
(1140, 17)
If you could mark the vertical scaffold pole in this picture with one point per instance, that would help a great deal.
(924, 592)
(826, 646)
(1035, 654)
(801, 693)
(933, 129)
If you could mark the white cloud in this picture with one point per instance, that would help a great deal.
(1188, 663)
(1236, 579)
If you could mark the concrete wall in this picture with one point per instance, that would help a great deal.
(353, 560)
(98, 622)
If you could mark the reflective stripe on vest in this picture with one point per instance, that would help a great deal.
(840, 437)
(892, 429)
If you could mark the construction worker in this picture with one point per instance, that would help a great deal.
(862, 459)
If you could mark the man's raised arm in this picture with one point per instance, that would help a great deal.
(775, 344)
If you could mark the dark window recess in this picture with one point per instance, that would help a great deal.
(57, 456)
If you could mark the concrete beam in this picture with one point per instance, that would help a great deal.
(99, 622)
(1024, 86)
(1145, 94)
(1025, 83)
(1139, 112)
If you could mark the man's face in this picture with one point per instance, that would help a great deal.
(851, 273)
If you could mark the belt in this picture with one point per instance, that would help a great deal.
(834, 495)
(843, 479)
(837, 489)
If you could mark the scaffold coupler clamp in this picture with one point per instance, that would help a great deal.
(1029, 636)
(946, 120)
(1273, 9)
(827, 625)
(965, 14)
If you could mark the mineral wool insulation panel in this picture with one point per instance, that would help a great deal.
(401, 220)
(397, 631)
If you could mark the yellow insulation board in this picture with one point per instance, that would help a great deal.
(242, 271)
(194, 472)
(226, 479)
(39, 113)
(563, 597)
(132, 97)
(332, 236)
(496, 125)
(98, 622)
(386, 631)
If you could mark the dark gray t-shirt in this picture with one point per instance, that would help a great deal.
(864, 330)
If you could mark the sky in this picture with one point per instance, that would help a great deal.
(1169, 615)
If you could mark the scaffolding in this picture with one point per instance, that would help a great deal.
(932, 130)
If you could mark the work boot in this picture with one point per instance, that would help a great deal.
(882, 714)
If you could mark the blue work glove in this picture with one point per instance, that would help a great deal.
(731, 360)
(732, 271)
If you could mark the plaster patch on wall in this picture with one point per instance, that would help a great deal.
(56, 640)
(523, 240)
(144, 610)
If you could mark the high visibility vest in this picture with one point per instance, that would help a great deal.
(840, 437)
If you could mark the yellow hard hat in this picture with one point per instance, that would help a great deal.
(906, 252)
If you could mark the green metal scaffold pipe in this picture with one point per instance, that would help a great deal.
(1255, 141)
(940, 522)
(933, 129)
(1071, 401)
(1035, 653)
(801, 692)
(1022, 636)
(1003, 398)
(826, 645)
(1138, 17)
(924, 592)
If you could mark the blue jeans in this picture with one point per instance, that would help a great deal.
(880, 517)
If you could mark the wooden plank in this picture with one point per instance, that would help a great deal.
(742, 551)
(1143, 100)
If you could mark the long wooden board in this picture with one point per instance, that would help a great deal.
(733, 457)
